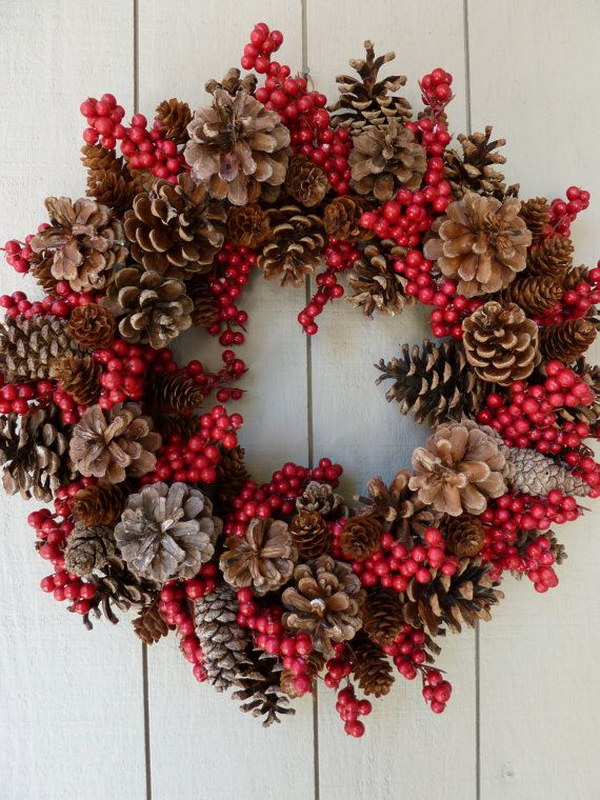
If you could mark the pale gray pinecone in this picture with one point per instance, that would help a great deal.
(321, 498)
(534, 473)
(88, 548)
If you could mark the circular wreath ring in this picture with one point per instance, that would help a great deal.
(271, 586)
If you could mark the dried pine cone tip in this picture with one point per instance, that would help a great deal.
(382, 616)
(320, 497)
(248, 226)
(361, 537)
(536, 213)
(150, 626)
(535, 294)
(370, 666)
(79, 377)
(310, 534)
(174, 393)
(232, 81)
(341, 218)
(174, 117)
(464, 536)
(92, 326)
(305, 181)
(474, 168)
(552, 256)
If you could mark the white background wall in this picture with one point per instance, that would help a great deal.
(92, 715)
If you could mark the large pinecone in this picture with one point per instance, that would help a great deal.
(384, 160)
(474, 169)
(263, 559)
(260, 690)
(100, 504)
(366, 101)
(375, 284)
(306, 181)
(237, 147)
(89, 547)
(325, 602)
(569, 340)
(460, 466)
(481, 242)
(435, 383)
(79, 376)
(175, 230)
(321, 497)
(370, 666)
(109, 180)
(531, 472)
(29, 348)
(82, 244)
(501, 343)
(114, 444)
(382, 616)
(152, 308)
(92, 326)
(294, 247)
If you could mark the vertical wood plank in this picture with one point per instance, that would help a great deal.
(533, 69)
(72, 705)
(355, 426)
(195, 733)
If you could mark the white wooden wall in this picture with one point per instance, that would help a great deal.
(92, 715)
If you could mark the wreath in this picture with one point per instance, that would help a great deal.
(270, 586)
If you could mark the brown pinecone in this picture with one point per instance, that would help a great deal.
(118, 588)
(33, 454)
(79, 377)
(536, 213)
(551, 256)
(375, 285)
(82, 244)
(294, 247)
(501, 343)
(435, 383)
(573, 277)
(531, 472)
(173, 393)
(341, 218)
(92, 326)
(370, 666)
(464, 536)
(109, 180)
(382, 616)
(205, 311)
(114, 444)
(149, 625)
(481, 242)
(100, 504)
(305, 181)
(474, 168)
(386, 159)
(569, 340)
(361, 537)
(263, 559)
(175, 230)
(248, 226)
(320, 497)
(310, 534)
(88, 548)
(29, 348)
(366, 101)
(174, 116)
(535, 294)
(231, 476)
(153, 309)
(232, 82)
(260, 690)
(325, 602)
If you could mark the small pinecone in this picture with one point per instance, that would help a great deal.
(205, 311)
(568, 341)
(341, 218)
(361, 537)
(501, 343)
(382, 616)
(101, 504)
(92, 326)
(573, 277)
(174, 116)
(535, 294)
(474, 170)
(30, 347)
(435, 383)
(294, 247)
(551, 256)
(150, 625)
(248, 226)
(260, 690)
(174, 393)
(88, 548)
(305, 181)
(375, 285)
(320, 497)
(109, 180)
(79, 377)
(536, 213)
(224, 642)
(310, 534)
(231, 476)
(370, 666)
(232, 82)
(118, 588)
(531, 472)
(464, 535)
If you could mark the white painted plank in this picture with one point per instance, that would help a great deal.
(201, 744)
(354, 425)
(72, 705)
(533, 69)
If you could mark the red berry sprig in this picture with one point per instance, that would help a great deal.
(436, 91)
(562, 213)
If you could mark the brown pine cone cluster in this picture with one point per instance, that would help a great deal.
(174, 393)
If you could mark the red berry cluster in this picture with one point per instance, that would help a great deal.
(18, 254)
(563, 214)
(232, 273)
(125, 366)
(436, 690)
(350, 708)
(575, 302)
(436, 91)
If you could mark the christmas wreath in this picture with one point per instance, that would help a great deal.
(270, 586)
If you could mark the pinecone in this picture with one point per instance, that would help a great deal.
(232, 82)
(535, 294)
(33, 454)
(531, 472)
(92, 326)
(150, 626)
(551, 256)
(175, 230)
(451, 600)
(117, 588)
(79, 377)
(167, 531)
(205, 311)
(501, 343)
(460, 466)
(223, 641)
(366, 101)
(154, 309)
(88, 548)
(481, 242)
(174, 393)
(370, 666)
(82, 244)
(260, 690)
(375, 285)
(341, 218)
(310, 534)
(361, 537)
(263, 559)
(464, 536)
(536, 213)
(287, 680)
(248, 226)
(294, 247)
(435, 383)
(473, 169)
(174, 116)
(109, 180)
(384, 160)
(29, 348)
(237, 147)
(305, 181)
(114, 444)
(569, 340)
(320, 497)
(232, 475)
(382, 616)
(100, 504)
(325, 602)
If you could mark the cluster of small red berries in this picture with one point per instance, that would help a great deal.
(232, 273)
(436, 91)
(350, 708)
(436, 690)
(18, 254)
(124, 370)
(575, 302)
(232, 370)
(563, 214)
(339, 256)
(17, 303)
